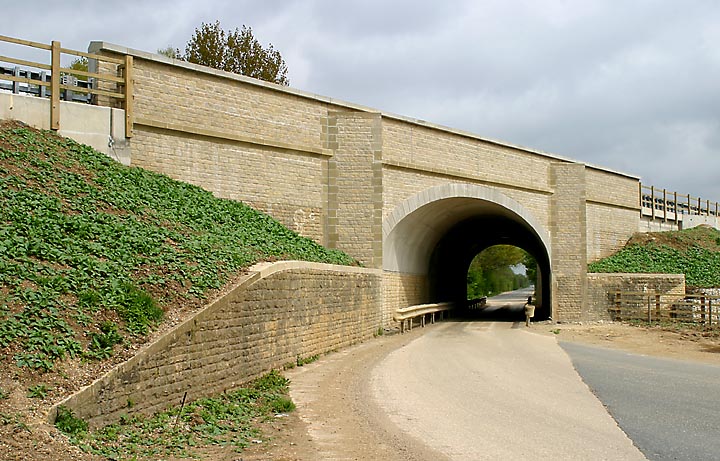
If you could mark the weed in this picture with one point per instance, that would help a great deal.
(4, 394)
(556, 331)
(68, 423)
(688, 252)
(282, 405)
(226, 419)
(304, 361)
(15, 420)
(101, 344)
(38, 392)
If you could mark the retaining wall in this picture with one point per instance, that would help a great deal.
(601, 289)
(277, 313)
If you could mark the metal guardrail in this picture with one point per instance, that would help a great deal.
(408, 314)
(673, 308)
(50, 80)
(671, 206)
(477, 303)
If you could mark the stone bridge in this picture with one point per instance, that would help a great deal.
(414, 199)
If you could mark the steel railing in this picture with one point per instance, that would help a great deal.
(423, 311)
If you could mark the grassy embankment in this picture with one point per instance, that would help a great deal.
(694, 252)
(93, 255)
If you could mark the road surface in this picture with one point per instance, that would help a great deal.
(459, 391)
(670, 408)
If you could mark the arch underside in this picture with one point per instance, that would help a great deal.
(438, 232)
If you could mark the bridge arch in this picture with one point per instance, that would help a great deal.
(437, 232)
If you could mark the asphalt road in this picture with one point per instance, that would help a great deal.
(669, 408)
(476, 390)
(492, 390)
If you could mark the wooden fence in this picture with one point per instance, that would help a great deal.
(667, 308)
(121, 79)
(670, 206)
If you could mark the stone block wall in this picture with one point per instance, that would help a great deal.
(238, 137)
(288, 185)
(280, 312)
(355, 185)
(402, 290)
(417, 145)
(568, 221)
(601, 289)
(613, 211)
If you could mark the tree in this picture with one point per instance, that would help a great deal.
(235, 51)
(170, 52)
(489, 272)
(81, 64)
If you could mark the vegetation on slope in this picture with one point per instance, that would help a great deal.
(694, 252)
(228, 419)
(92, 252)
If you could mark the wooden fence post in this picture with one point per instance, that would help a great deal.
(55, 86)
(710, 312)
(128, 96)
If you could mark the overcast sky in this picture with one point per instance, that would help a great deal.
(631, 85)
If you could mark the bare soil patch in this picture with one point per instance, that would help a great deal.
(676, 342)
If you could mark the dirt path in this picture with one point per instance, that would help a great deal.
(336, 411)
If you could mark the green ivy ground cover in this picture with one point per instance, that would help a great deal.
(694, 252)
(92, 252)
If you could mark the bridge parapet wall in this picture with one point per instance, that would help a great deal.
(280, 312)
(241, 138)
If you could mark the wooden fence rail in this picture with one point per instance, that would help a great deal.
(656, 308)
(121, 80)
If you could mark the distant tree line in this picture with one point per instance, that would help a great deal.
(490, 271)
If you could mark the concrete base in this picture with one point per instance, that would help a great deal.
(101, 128)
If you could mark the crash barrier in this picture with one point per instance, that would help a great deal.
(423, 311)
(477, 303)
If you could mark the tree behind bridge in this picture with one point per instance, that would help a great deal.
(235, 51)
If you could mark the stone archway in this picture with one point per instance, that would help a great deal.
(433, 235)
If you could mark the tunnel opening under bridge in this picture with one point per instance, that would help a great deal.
(434, 236)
